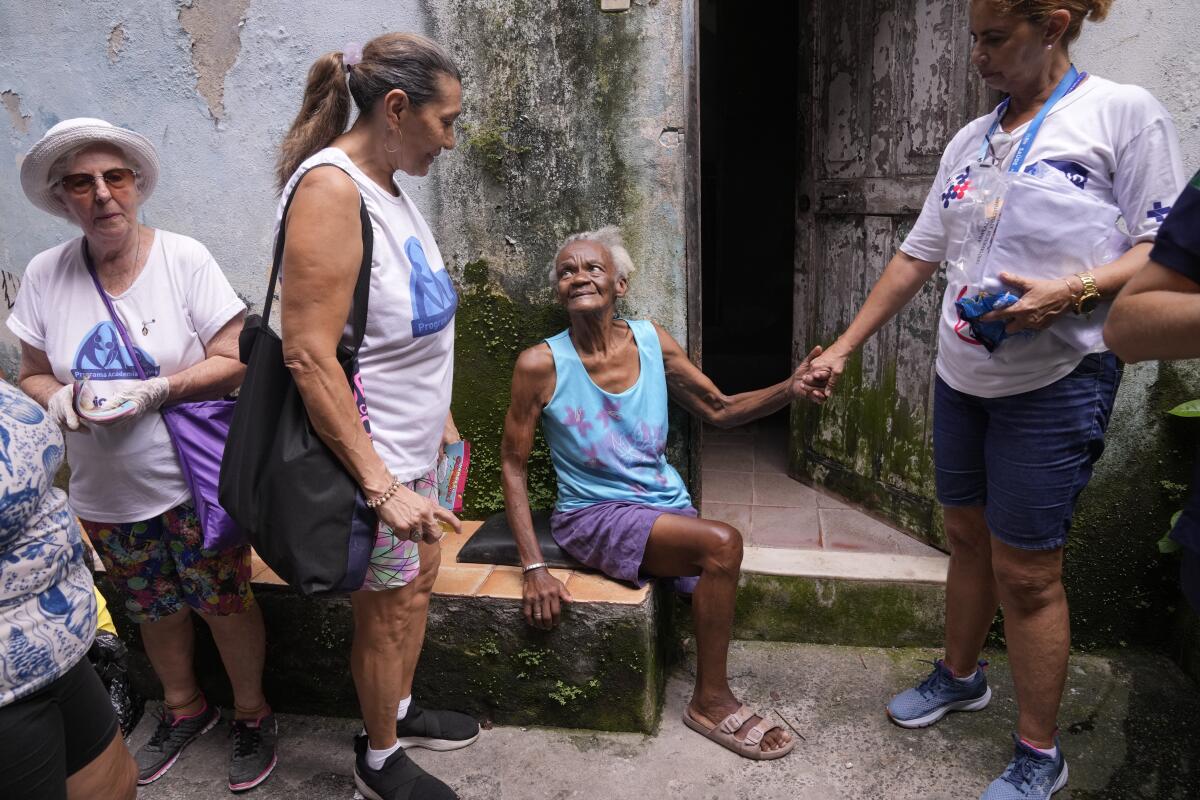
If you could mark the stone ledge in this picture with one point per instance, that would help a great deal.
(602, 668)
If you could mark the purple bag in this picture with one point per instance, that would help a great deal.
(198, 431)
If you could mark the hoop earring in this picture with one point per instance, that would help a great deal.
(386, 149)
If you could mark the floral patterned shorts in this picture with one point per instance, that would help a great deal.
(395, 560)
(161, 565)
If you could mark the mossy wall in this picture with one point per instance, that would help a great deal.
(571, 121)
(1121, 589)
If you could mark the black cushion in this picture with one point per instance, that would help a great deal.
(493, 543)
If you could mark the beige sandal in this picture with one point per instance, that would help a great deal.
(724, 734)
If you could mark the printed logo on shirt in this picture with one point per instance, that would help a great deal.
(103, 357)
(1076, 173)
(433, 297)
(958, 187)
(1158, 212)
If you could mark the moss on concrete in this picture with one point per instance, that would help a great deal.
(834, 611)
(490, 332)
(893, 470)
(1121, 588)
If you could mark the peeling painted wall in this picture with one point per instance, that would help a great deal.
(572, 118)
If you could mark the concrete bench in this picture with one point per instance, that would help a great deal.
(602, 668)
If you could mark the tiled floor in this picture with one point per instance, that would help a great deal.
(746, 484)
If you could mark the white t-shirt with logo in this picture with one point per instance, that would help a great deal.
(1111, 140)
(406, 362)
(127, 472)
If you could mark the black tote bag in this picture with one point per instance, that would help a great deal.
(295, 500)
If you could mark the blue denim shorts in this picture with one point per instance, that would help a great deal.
(1026, 457)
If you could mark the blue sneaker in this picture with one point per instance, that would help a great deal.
(1031, 775)
(938, 695)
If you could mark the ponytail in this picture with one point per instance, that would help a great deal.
(323, 116)
(406, 61)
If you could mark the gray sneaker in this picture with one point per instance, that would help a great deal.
(253, 755)
(169, 738)
(938, 695)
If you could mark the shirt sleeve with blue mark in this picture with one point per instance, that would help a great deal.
(1178, 243)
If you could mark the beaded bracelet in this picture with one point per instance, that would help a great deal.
(383, 498)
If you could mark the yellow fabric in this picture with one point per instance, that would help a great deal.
(103, 618)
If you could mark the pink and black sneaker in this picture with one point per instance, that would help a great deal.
(253, 755)
(169, 738)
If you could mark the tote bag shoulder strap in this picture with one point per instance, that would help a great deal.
(362, 287)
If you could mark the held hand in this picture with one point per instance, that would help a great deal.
(824, 371)
(408, 513)
(147, 396)
(61, 409)
(798, 388)
(543, 596)
(1042, 302)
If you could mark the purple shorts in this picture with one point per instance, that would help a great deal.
(611, 537)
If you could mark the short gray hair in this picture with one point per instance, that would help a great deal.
(58, 170)
(610, 237)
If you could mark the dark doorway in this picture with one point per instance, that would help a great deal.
(748, 75)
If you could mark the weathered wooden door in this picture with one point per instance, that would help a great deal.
(884, 85)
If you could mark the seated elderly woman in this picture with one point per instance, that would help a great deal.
(600, 389)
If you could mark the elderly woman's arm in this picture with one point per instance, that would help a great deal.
(35, 375)
(321, 259)
(1157, 315)
(532, 386)
(218, 374)
(696, 392)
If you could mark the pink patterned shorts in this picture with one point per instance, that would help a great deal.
(395, 560)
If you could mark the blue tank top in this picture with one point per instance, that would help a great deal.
(609, 446)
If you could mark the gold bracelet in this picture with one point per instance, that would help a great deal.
(383, 498)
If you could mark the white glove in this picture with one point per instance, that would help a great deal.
(146, 396)
(61, 408)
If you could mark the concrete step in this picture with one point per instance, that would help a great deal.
(1127, 719)
(847, 598)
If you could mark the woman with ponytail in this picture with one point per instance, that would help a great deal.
(1024, 392)
(408, 95)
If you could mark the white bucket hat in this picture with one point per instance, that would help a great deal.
(71, 134)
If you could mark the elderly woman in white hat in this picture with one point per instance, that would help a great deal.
(181, 320)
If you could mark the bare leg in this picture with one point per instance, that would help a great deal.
(418, 611)
(112, 775)
(383, 622)
(970, 588)
(1037, 627)
(242, 642)
(687, 546)
(170, 645)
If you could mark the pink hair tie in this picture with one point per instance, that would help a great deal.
(351, 55)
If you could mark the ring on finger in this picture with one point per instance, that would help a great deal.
(414, 535)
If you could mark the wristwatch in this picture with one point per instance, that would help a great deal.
(1090, 297)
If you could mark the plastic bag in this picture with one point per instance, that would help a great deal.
(109, 657)
(1038, 224)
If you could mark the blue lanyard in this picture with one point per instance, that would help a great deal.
(1065, 86)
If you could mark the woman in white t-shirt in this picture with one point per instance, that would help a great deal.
(182, 319)
(408, 95)
(1017, 430)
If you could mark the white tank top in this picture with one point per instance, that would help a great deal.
(406, 362)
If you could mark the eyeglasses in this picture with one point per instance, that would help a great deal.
(80, 183)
